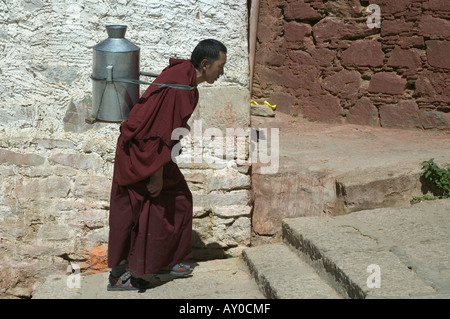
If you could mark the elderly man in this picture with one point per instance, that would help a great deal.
(151, 205)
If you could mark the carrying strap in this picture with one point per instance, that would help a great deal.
(160, 85)
(91, 119)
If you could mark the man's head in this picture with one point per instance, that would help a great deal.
(209, 58)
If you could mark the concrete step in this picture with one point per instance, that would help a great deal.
(379, 253)
(282, 274)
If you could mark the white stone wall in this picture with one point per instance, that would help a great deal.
(56, 168)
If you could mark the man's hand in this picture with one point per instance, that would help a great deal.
(155, 184)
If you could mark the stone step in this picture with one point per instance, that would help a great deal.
(379, 253)
(317, 258)
(282, 274)
(315, 193)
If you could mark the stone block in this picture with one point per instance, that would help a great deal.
(239, 233)
(404, 58)
(232, 211)
(434, 120)
(210, 231)
(261, 110)
(82, 161)
(299, 10)
(94, 187)
(363, 113)
(327, 29)
(226, 180)
(103, 145)
(19, 159)
(362, 53)
(395, 27)
(85, 214)
(370, 188)
(201, 212)
(434, 28)
(16, 279)
(411, 42)
(438, 53)
(299, 78)
(197, 176)
(424, 87)
(265, 33)
(287, 195)
(76, 114)
(219, 198)
(333, 30)
(284, 101)
(325, 108)
(388, 83)
(396, 8)
(49, 187)
(283, 77)
(402, 115)
(53, 232)
(270, 54)
(223, 107)
(48, 170)
(269, 29)
(437, 5)
(343, 83)
(343, 9)
(7, 171)
(296, 32)
(50, 143)
(323, 57)
(433, 86)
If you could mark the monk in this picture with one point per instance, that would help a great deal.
(151, 205)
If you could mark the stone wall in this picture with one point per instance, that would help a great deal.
(321, 60)
(56, 167)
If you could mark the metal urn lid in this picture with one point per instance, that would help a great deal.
(116, 41)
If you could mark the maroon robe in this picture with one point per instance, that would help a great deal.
(152, 233)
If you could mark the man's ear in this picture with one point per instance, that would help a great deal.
(204, 63)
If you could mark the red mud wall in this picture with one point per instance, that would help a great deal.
(319, 59)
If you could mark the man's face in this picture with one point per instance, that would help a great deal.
(215, 70)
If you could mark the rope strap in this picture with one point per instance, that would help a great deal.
(160, 85)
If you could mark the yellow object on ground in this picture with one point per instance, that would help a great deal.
(273, 107)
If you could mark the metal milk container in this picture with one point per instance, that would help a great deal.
(115, 74)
